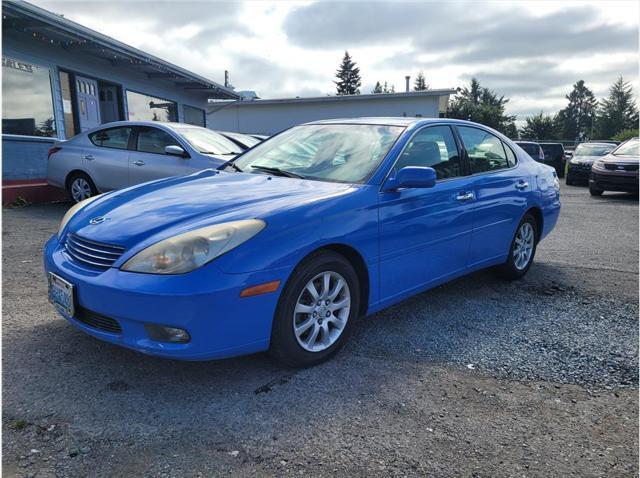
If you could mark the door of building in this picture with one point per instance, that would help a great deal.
(88, 104)
(109, 110)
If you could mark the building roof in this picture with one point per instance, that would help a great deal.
(38, 22)
(345, 98)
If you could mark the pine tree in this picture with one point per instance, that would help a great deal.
(482, 105)
(539, 126)
(618, 112)
(576, 121)
(348, 75)
(420, 84)
(377, 89)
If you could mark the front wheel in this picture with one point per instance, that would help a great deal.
(81, 187)
(595, 190)
(316, 310)
(523, 249)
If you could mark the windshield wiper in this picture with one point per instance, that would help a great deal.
(277, 171)
(234, 166)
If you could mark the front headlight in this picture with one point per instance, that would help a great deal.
(599, 164)
(72, 211)
(193, 249)
(574, 161)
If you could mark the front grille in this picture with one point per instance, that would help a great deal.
(98, 321)
(625, 167)
(93, 253)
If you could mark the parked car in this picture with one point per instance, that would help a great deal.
(245, 141)
(583, 158)
(124, 153)
(533, 149)
(617, 171)
(283, 248)
(554, 156)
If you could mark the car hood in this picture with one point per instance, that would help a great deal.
(586, 159)
(626, 159)
(171, 206)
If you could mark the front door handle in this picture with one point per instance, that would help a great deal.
(522, 185)
(139, 162)
(88, 157)
(464, 196)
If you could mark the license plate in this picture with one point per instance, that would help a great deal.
(61, 294)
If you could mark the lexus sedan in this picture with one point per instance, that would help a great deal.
(286, 246)
(617, 171)
(583, 158)
(124, 153)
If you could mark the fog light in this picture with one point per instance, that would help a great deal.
(161, 333)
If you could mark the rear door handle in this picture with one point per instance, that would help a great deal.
(88, 157)
(522, 185)
(139, 162)
(464, 196)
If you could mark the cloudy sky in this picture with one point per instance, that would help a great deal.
(531, 52)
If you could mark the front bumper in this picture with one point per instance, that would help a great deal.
(578, 172)
(612, 181)
(205, 302)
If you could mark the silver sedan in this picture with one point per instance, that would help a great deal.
(124, 153)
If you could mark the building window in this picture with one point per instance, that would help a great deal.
(194, 116)
(27, 99)
(67, 105)
(149, 108)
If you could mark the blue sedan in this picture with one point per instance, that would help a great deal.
(284, 247)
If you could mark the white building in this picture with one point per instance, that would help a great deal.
(272, 116)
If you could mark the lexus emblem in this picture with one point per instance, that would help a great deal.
(97, 220)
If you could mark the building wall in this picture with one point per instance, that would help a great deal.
(25, 157)
(270, 118)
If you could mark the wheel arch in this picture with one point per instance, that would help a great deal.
(359, 264)
(73, 172)
(536, 212)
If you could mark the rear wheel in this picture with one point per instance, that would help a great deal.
(316, 310)
(523, 249)
(595, 190)
(569, 181)
(81, 187)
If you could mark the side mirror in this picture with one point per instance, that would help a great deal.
(175, 150)
(412, 177)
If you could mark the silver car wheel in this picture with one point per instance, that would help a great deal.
(523, 250)
(322, 311)
(80, 189)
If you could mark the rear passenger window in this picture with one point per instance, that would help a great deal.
(511, 157)
(434, 147)
(117, 138)
(153, 140)
(486, 152)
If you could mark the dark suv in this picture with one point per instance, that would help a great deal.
(617, 171)
(554, 156)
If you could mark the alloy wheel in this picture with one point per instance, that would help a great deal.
(80, 189)
(523, 250)
(322, 311)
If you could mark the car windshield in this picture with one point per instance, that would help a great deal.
(244, 139)
(207, 142)
(630, 148)
(326, 152)
(592, 150)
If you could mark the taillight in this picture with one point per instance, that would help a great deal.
(541, 155)
(53, 150)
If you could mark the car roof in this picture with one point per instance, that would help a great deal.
(161, 124)
(528, 142)
(595, 143)
(395, 121)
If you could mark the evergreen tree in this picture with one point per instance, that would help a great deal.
(348, 75)
(539, 126)
(618, 112)
(482, 105)
(576, 121)
(377, 89)
(420, 84)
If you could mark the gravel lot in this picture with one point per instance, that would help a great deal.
(478, 377)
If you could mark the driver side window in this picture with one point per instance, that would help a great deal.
(434, 147)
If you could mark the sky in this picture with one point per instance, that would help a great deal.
(530, 52)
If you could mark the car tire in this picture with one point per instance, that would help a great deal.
(595, 190)
(560, 172)
(526, 236)
(298, 308)
(568, 181)
(80, 187)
